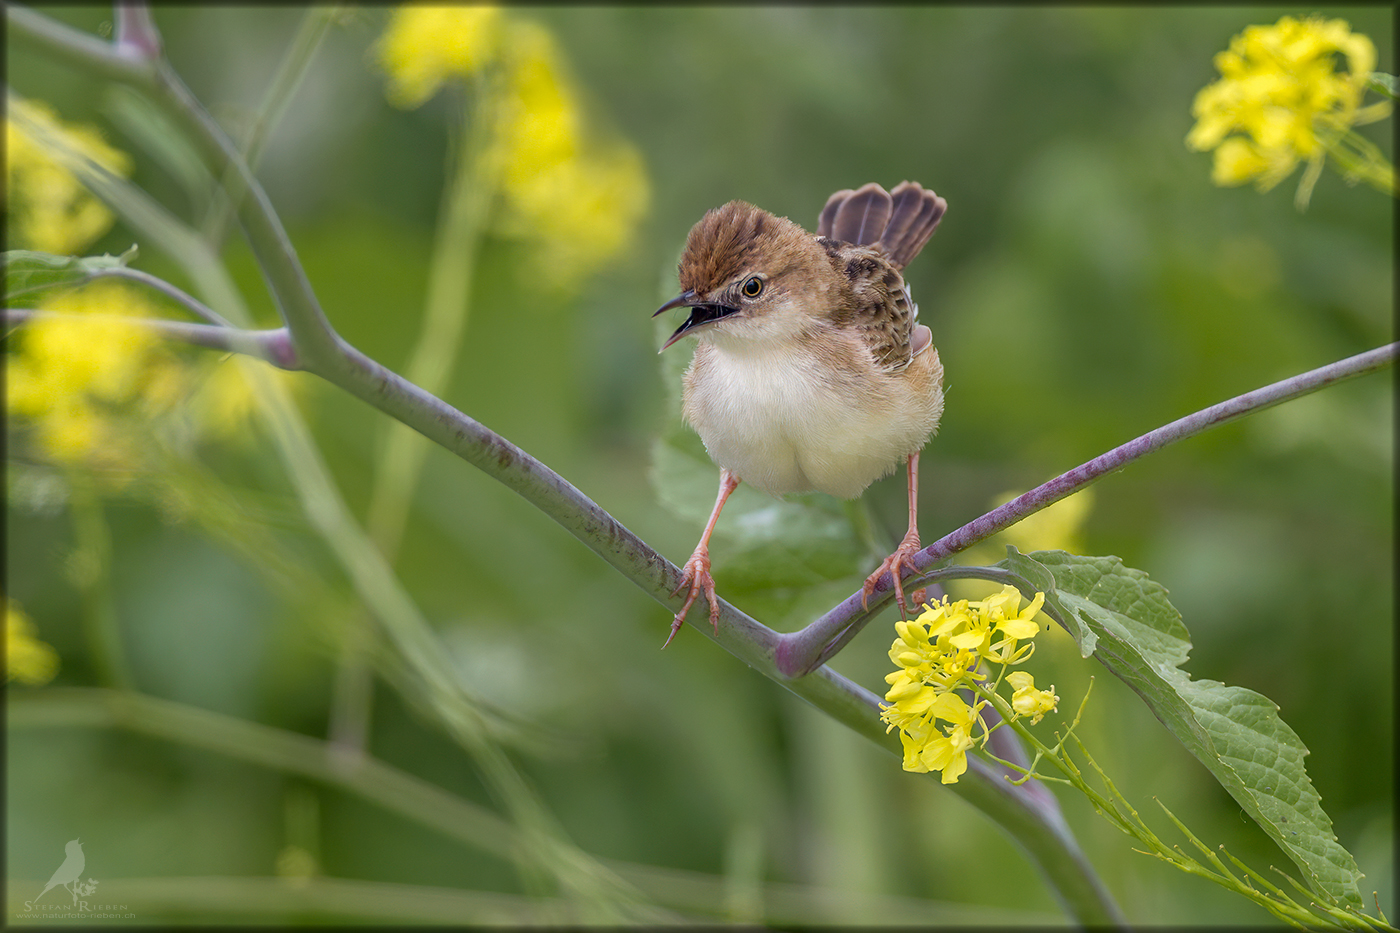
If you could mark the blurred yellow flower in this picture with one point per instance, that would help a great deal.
(224, 403)
(579, 200)
(1281, 91)
(576, 197)
(71, 372)
(424, 46)
(1053, 528)
(27, 659)
(1056, 527)
(96, 389)
(47, 208)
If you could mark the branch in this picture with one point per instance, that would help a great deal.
(270, 346)
(322, 351)
(181, 297)
(86, 52)
(137, 36)
(799, 652)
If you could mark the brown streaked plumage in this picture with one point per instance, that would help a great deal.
(811, 371)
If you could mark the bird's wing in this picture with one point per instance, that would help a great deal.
(879, 308)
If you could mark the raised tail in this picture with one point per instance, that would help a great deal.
(898, 222)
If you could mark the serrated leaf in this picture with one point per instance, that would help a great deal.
(1236, 733)
(1043, 581)
(28, 271)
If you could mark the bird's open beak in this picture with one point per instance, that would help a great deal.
(701, 313)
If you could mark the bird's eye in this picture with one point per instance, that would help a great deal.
(753, 287)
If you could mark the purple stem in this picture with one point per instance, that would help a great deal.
(800, 652)
(183, 298)
(137, 36)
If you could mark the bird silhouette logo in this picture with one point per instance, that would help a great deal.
(69, 874)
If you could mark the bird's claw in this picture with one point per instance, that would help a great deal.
(902, 559)
(696, 575)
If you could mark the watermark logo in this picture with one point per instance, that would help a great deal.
(69, 877)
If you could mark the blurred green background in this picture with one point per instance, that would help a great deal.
(1087, 285)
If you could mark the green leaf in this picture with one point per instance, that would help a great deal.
(27, 271)
(1235, 732)
(1383, 84)
(760, 542)
(1043, 581)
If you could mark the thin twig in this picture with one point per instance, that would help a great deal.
(271, 346)
(799, 652)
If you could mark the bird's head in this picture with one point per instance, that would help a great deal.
(748, 275)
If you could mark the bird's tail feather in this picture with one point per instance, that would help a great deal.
(899, 222)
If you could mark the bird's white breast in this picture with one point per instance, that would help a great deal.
(774, 415)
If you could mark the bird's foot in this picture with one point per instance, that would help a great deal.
(895, 565)
(696, 575)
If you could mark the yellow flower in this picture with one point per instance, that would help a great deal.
(1026, 700)
(1003, 615)
(47, 208)
(1280, 90)
(937, 653)
(927, 748)
(575, 197)
(71, 374)
(224, 403)
(423, 46)
(27, 659)
(1055, 527)
(948, 752)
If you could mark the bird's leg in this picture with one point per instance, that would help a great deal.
(902, 558)
(696, 572)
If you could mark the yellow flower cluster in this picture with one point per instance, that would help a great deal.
(27, 659)
(47, 208)
(90, 383)
(944, 649)
(1280, 91)
(426, 45)
(578, 198)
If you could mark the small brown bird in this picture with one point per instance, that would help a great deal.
(810, 370)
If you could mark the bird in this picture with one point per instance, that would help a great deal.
(811, 371)
(70, 871)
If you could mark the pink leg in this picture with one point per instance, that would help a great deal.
(902, 558)
(696, 572)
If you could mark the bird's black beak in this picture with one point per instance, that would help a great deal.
(702, 312)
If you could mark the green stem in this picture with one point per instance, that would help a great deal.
(92, 570)
(416, 800)
(270, 346)
(290, 73)
(1115, 805)
(470, 190)
(269, 747)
